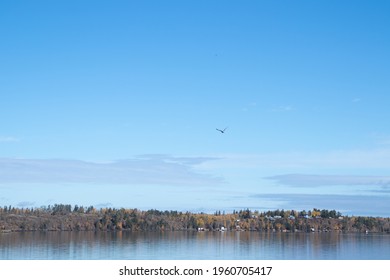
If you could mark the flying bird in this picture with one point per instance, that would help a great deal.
(221, 130)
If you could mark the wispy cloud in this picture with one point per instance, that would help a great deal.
(9, 139)
(147, 169)
(283, 108)
(176, 159)
(356, 100)
(249, 106)
(310, 180)
(301, 161)
(383, 191)
(380, 139)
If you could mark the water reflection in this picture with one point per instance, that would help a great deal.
(192, 245)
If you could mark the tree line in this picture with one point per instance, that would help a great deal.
(65, 217)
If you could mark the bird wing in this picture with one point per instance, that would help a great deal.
(221, 129)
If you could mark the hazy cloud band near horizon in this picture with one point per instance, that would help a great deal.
(146, 169)
(313, 180)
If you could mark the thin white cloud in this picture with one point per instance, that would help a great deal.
(283, 108)
(249, 106)
(142, 170)
(380, 139)
(310, 180)
(383, 191)
(300, 162)
(385, 142)
(9, 139)
(356, 100)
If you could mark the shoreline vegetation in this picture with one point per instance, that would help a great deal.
(64, 217)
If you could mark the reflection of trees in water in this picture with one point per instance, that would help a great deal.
(187, 245)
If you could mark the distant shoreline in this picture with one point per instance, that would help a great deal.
(62, 217)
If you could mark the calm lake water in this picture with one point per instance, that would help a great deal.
(193, 245)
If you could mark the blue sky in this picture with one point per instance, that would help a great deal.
(117, 104)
